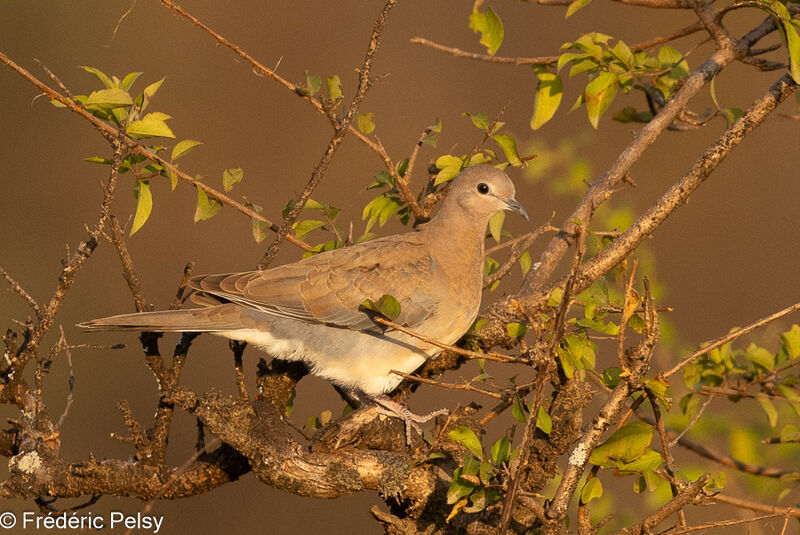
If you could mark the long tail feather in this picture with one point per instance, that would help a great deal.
(197, 320)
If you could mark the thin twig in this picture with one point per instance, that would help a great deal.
(340, 131)
(547, 60)
(447, 347)
(22, 293)
(117, 238)
(70, 382)
(707, 347)
(450, 386)
(755, 506)
(722, 524)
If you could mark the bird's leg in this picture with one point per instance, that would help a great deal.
(389, 407)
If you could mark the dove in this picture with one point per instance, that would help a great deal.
(313, 310)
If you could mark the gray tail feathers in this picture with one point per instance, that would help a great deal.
(197, 320)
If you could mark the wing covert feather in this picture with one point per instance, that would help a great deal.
(329, 288)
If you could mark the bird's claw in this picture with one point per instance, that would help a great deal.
(391, 408)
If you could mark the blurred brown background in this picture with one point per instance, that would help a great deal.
(727, 258)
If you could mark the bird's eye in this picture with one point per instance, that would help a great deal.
(483, 188)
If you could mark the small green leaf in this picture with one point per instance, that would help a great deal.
(290, 403)
(449, 166)
(129, 79)
(151, 89)
(231, 177)
(647, 462)
(100, 75)
(516, 330)
(790, 341)
(496, 225)
(490, 27)
(467, 438)
(760, 356)
(501, 451)
(518, 409)
(182, 148)
(793, 44)
(479, 119)
(573, 7)
(334, 87)
(525, 263)
(301, 228)
(591, 489)
(151, 125)
(387, 306)
(207, 207)
(600, 92)
(509, 146)
(107, 99)
(313, 83)
(365, 124)
(543, 421)
(629, 114)
(548, 97)
(626, 444)
(769, 409)
(144, 204)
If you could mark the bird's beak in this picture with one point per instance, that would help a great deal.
(513, 205)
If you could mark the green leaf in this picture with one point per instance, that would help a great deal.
(231, 177)
(301, 228)
(525, 263)
(548, 97)
(573, 7)
(516, 330)
(790, 341)
(313, 83)
(334, 87)
(365, 124)
(151, 125)
(760, 356)
(626, 444)
(501, 451)
(591, 489)
(543, 421)
(479, 120)
(467, 438)
(518, 410)
(629, 114)
(490, 27)
(207, 207)
(260, 230)
(182, 148)
(496, 225)
(100, 75)
(107, 99)
(151, 89)
(647, 462)
(793, 44)
(600, 92)
(387, 306)
(509, 146)
(129, 79)
(449, 166)
(769, 408)
(144, 204)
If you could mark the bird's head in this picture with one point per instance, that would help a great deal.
(483, 191)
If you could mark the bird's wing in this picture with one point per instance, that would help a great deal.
(330, 287)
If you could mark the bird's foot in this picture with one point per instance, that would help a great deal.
(391, 408)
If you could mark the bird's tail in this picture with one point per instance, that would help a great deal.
(192, 320)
